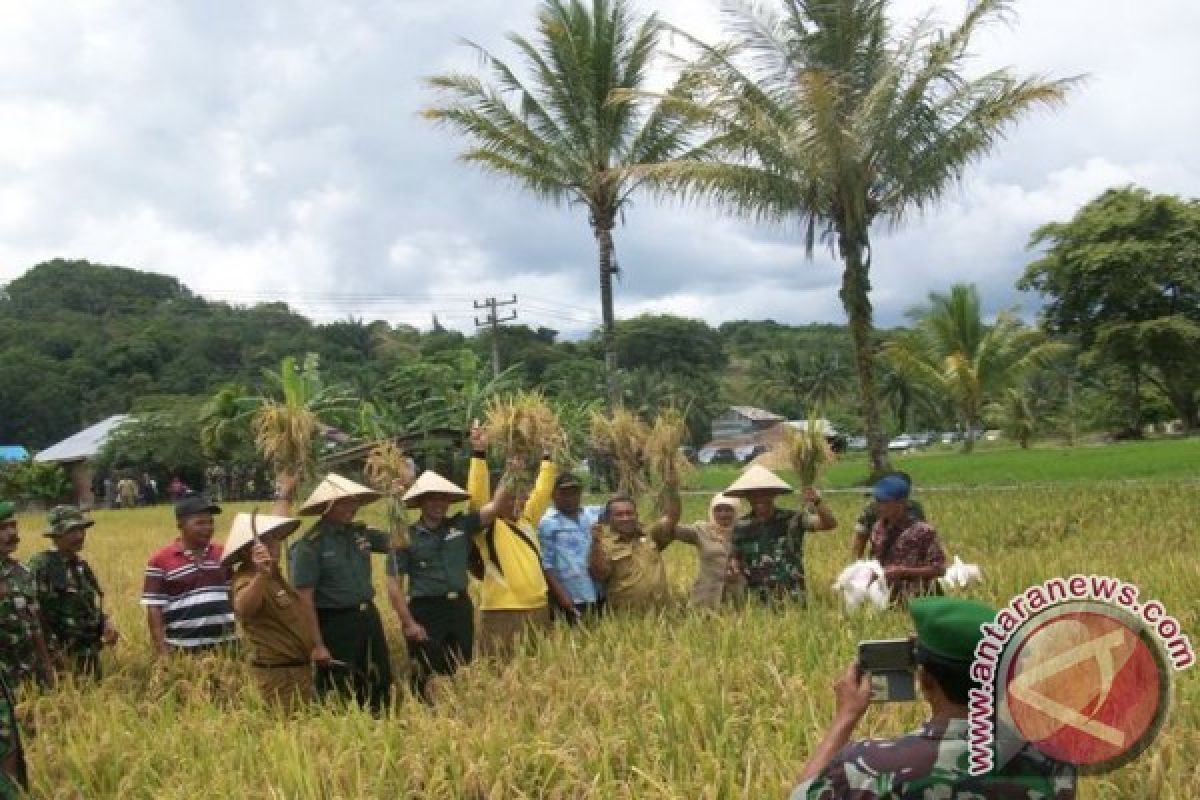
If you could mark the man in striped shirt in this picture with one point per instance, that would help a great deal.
(186, 591)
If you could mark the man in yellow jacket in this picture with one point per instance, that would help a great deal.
(514, 590)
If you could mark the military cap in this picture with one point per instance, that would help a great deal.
(949, 627)
(66, 518)
(7, 510)
(892, 487)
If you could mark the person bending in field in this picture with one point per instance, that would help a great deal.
(628, 560)
(907, 547)
(434, 609)
(870, 515)
(70, 596)
(931, 762)
(514, 590)
(275, 625)
(186, 590)
(769, 542)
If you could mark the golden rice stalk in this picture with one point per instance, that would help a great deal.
(387, 470)
(807, 451)
(524, 425)
(664, 465)
(283, 435)
(622, 437)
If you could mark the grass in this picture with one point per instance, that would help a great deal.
(1163, 460)
(675, 706)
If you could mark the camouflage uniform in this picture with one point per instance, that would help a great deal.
(10, 743)
(931, 764)
(771, 553)
(19, 625)
(70, 597)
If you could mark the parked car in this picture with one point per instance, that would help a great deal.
(856, 443)
(950, 437)
(903, 443)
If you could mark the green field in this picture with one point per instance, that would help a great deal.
(673, 706)
(1164, 460)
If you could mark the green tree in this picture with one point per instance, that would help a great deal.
(821, 114)
(1124, 275)
(954, 353)
(557, 133)
(671, 344)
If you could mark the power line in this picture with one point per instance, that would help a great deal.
(493, 320)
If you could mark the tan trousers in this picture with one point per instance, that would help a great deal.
(500, 632)
(288, 688)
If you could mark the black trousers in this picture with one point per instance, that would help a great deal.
(450, 626)
(354, 636)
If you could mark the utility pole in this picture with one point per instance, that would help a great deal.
(493, 321)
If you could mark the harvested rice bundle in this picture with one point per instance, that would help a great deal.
(807, 450)
(622, 438)
(665, 466)
(388, 470)
(523, 425)
(283, 434)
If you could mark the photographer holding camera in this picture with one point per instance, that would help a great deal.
(932, 761)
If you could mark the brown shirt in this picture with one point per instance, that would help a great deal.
(277, 634)
(637, 577)
(714, 581)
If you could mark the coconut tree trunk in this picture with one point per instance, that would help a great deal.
(602, 229)
(856, 284)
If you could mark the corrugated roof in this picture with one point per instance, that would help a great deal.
(85, 444)
(13, 452)
(757, 414)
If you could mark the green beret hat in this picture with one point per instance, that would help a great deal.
(948, 627)
(7, 510)
(65, 518)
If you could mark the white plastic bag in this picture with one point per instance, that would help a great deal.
(862, 582)
(959, 575)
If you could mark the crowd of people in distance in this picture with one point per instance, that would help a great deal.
(317, 632)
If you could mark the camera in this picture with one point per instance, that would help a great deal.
(892, 664)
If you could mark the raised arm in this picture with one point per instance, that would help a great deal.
(663, 529)
(825, 519)
(503, 497)
(478, 481)
(543, 492)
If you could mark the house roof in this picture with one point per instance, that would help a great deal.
(13, 452)
(824, 425)
(756, 414)
(85, 444)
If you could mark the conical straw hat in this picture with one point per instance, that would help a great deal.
(757, 479)
(432, 483)
(335, 487)
(241, 534)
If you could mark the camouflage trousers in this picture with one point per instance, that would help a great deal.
(12, 758)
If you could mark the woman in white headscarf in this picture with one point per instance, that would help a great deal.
(717, 580)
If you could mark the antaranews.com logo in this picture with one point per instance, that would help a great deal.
(1078, 668)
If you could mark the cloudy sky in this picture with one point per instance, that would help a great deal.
(272, 150)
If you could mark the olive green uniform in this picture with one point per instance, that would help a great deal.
(435, 562)
(10, 747)
(334, 560)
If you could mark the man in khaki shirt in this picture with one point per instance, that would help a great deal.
(628, 560)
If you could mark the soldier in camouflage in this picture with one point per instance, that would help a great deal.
(768, 542)
(931, 763)
(70, 596)
(12, 758)
(23, 653)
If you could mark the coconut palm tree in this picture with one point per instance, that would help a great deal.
(554, 131)
(954, 353)
(823, 116)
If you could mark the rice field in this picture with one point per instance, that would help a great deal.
(674, 706)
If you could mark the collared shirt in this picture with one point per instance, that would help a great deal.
(912, 543)
(932, 762)
(277, 632)
(334, 560)
(512, 577)
(771, 551)
(435, 560)
(566, 544)
(638, 577)
(193, 594)
(19, 622)
(69, 595)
